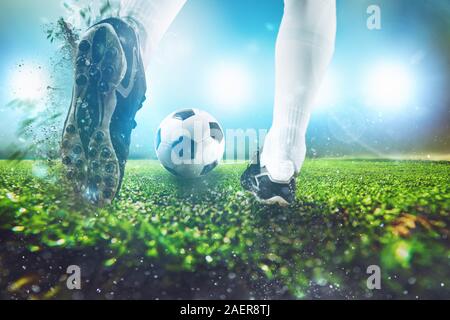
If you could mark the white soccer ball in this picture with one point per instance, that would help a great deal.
(190, 143)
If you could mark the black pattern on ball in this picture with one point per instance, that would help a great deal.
(210, 167)
(215, 131)
(185, 114)
(158, 139)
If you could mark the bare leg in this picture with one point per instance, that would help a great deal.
(304, 49)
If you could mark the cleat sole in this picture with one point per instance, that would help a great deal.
(87, 149)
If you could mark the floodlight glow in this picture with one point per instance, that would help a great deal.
(29, 82)
(328, 92)
(230, 85)
(389, 86)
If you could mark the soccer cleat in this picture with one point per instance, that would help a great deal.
(109, 89)
(257, 180)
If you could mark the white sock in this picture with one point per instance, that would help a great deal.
(153, 18)
(304, 49)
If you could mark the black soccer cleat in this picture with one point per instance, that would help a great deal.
(109, 89)
(257, 180)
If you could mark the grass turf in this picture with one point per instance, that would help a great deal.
(166, 238)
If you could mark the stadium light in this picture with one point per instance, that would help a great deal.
(328, 92)
(29, 82)
(230, 85)
(389, 86)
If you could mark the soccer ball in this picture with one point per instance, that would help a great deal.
(190, 143)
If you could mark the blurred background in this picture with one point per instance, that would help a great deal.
(386, 93)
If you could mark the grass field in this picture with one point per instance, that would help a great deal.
(207, 239)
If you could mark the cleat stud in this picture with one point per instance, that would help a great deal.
(107, 194)
(81, 61)
(103, 86)
(95, 165)
(108, 72)
(92, 153)
(67, 161)
(84, 46)
(71, 129)
(110, 167)
(109, 182)
(99, 136)
(77, 150)
(81, 80)
(79, 164)
(94, 74)
(70, 174)
(106, 153)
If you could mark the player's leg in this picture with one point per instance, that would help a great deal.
(109, 89)
(304, 49)
(152, 18)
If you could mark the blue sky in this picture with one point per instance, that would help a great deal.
(211, 35)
